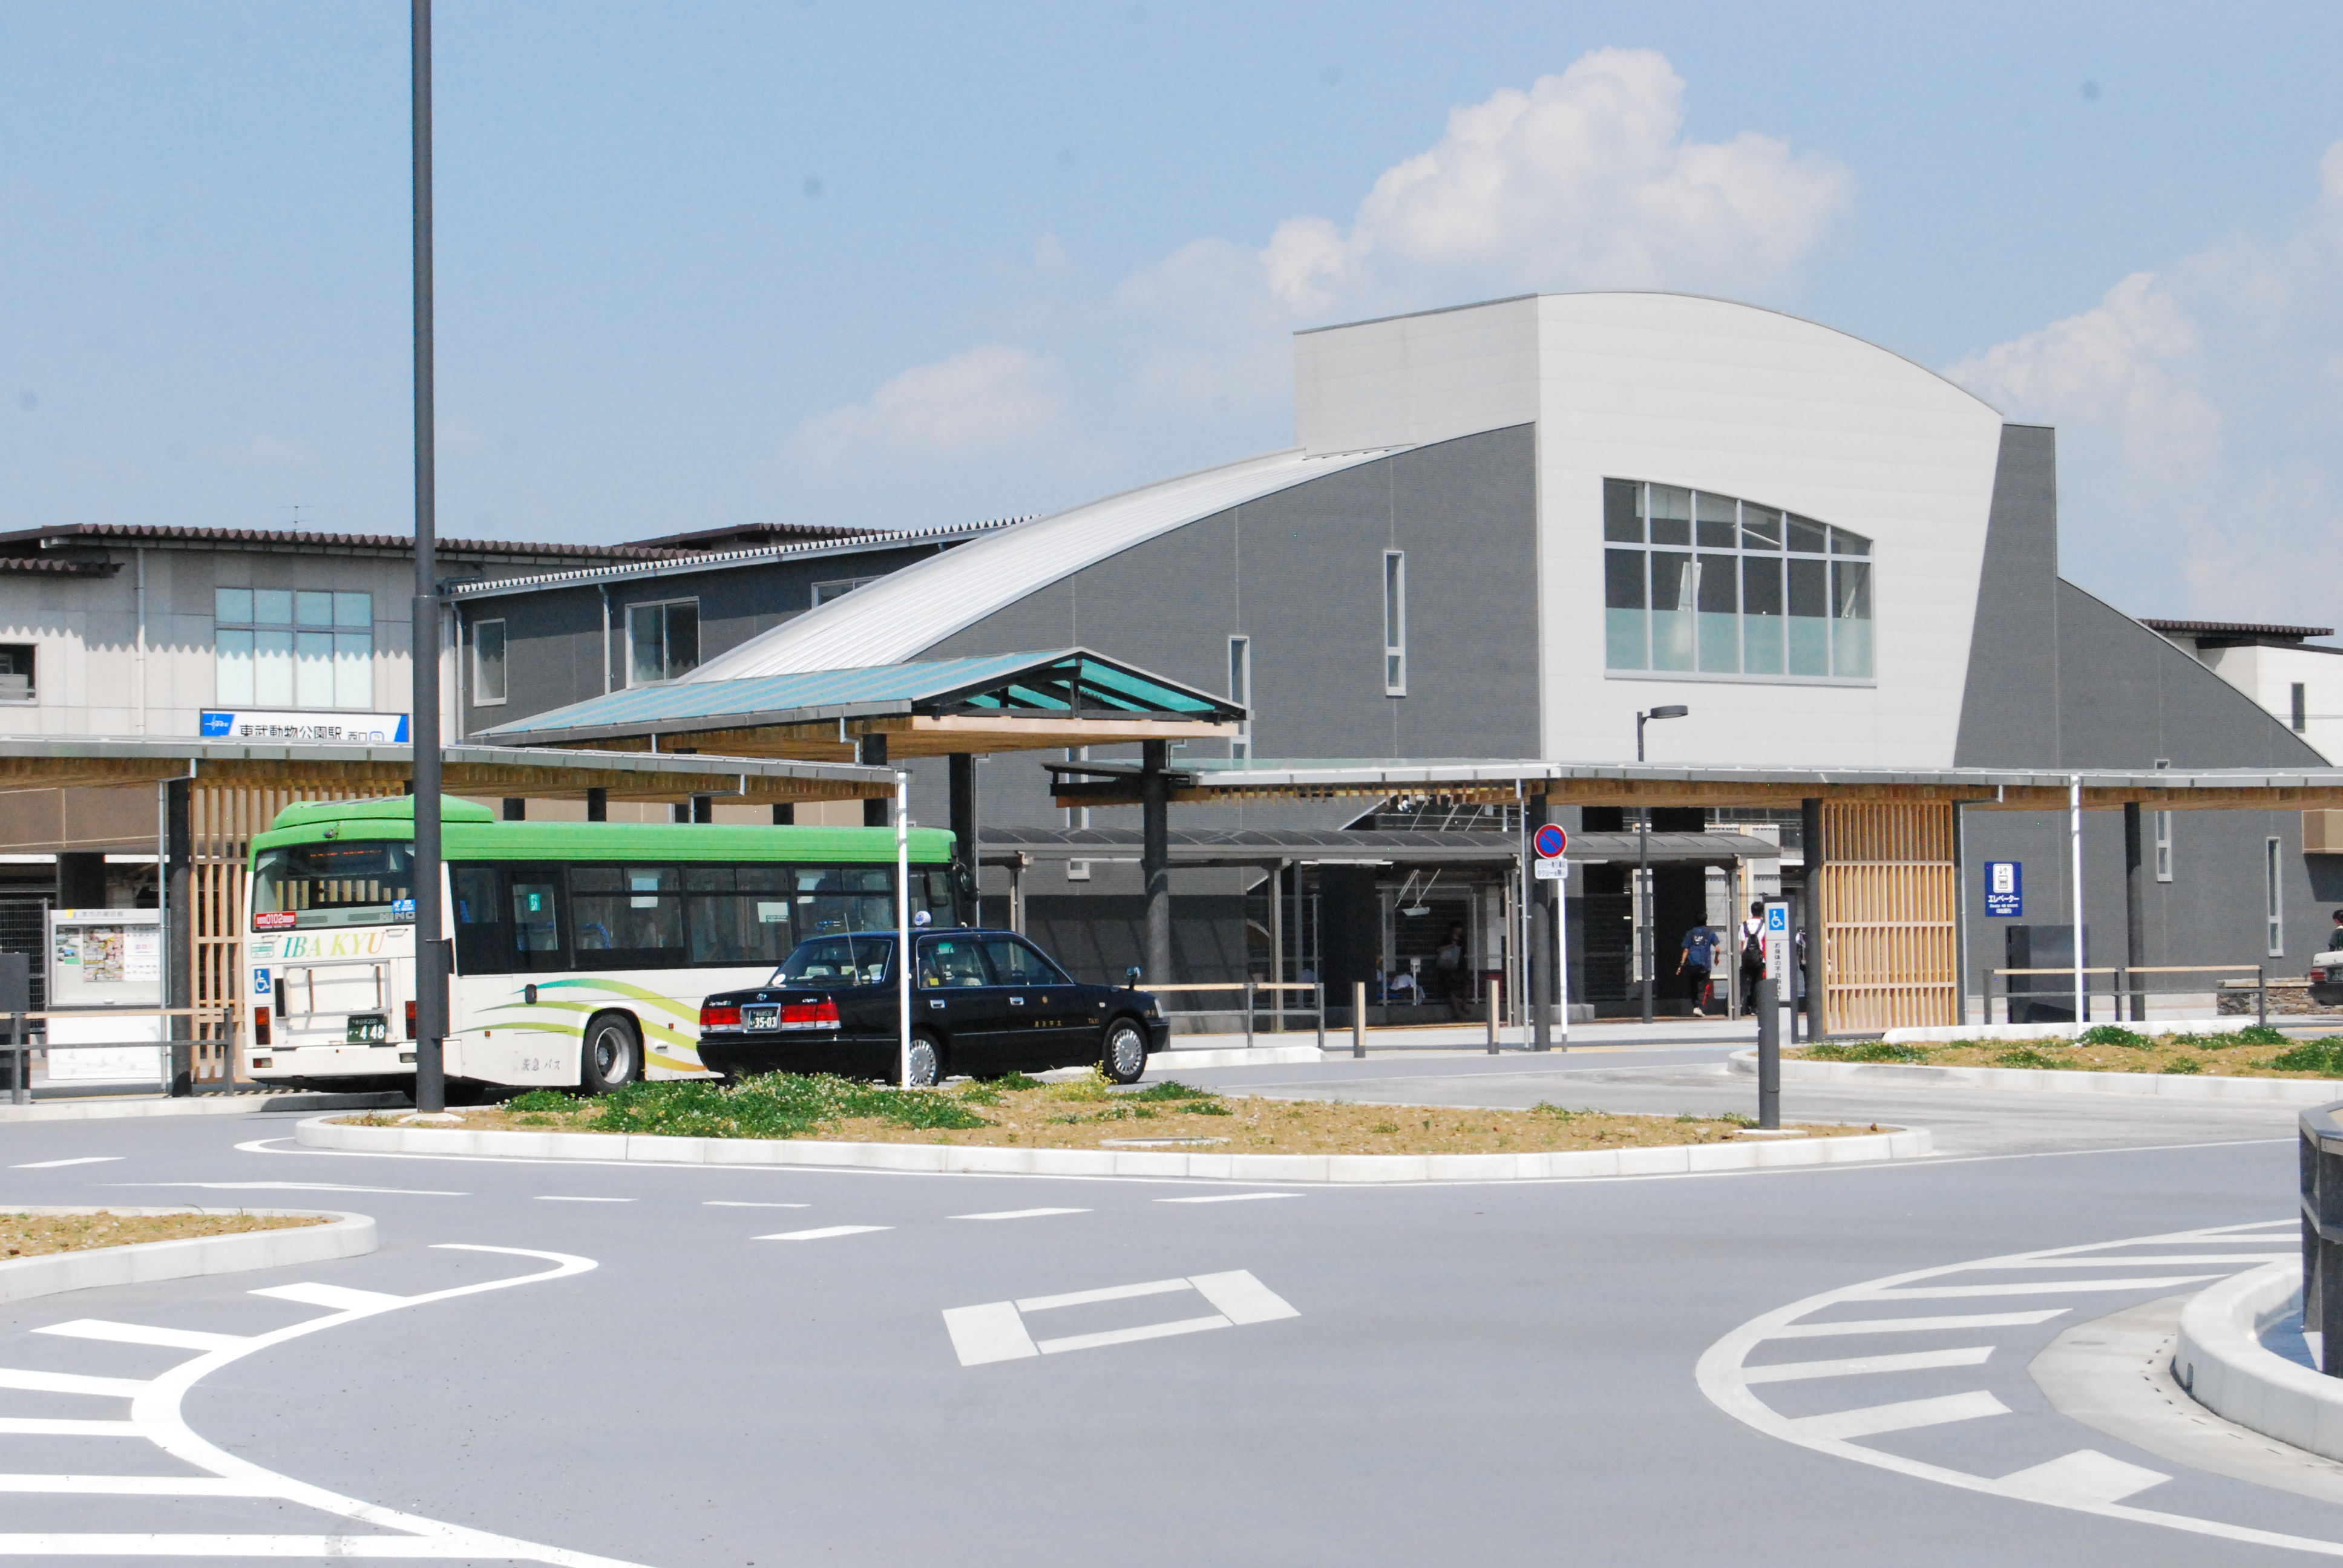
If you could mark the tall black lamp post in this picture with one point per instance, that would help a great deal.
(1646, 956)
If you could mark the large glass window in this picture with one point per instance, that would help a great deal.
(1394, 623)
(354, 882)
(293, 649)
(487, 662)
(740, 914)
(627, 917)
(1700, 584)
(662, 641)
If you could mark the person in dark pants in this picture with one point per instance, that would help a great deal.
(1753, 956)
(1698, 960)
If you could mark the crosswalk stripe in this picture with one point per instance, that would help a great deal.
(1021, 1213)
(1111, 1293)
(1915, 1325)
(1126, 1336)
(1855, 1366)
(72, 1382)
(990, 1333)
(824, 1234)
(341, 1298)
(1874, 1420)
(143, 1334)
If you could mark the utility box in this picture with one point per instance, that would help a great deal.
(2041, 999)
(102, 960)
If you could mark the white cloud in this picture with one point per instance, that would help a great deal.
(2200, 409)
(970, 404)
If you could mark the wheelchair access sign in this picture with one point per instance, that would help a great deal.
(1778, 942)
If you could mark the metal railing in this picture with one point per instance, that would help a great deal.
(17, 1048)
(2117, 991)
(2322, 1231)
(1251, 1008)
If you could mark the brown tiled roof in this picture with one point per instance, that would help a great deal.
(61, 568)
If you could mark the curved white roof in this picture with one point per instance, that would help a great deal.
(907, 612)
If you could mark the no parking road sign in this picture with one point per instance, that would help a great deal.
(1550, 841)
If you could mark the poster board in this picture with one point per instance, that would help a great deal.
(101, 959)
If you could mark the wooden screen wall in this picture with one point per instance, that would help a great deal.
(1890, 909)
(225, 818)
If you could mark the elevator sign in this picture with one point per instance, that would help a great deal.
(2004, 888)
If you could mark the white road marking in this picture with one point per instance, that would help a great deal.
(1902, 1416)
(294, 1187)
(1230, 1198)
(81, 1159)
(330, 1547)
(734, 1203)
(73, 1383)
(2031, 1288)
(1021, 1213)
(341, 1298)
(1126, 1336)
(1916, 1325)
(2084, 1476)
(824, 1234)
(565, 1197)
(1111, 1293)
(1242, 1298)
(990, 1333)
(1857, 1366)
(141, 1335)
(2160, 1260)
(139, 1485)
(41, 1426)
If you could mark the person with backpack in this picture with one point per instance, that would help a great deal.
(1753, 956)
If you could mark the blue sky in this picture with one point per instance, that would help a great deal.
(711, 264)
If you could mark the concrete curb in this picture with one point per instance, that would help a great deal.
(142, 1262)
(937, 1159)
(101, 1108)
(1173, 1058)
(2043, 1080)
(2220, 1359)
(1945, 1034)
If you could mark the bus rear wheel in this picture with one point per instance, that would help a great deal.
(613, 1056)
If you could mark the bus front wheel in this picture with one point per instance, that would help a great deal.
(613, 1054)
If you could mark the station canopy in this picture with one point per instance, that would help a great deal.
(73, 762)
(1001, 702)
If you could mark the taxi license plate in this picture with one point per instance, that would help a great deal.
(369, 1029)
(764, 1017)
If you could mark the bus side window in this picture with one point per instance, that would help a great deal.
(738, 915)
(483, 945)
(535, 916)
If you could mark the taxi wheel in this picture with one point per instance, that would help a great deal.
(927, 1062)
(1124, 1058)
(613, 1056)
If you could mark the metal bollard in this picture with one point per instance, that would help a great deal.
(1318, 1000)
(1359, 1018)
(1248, 1015)
(1769, 1058)
(1496, 1003)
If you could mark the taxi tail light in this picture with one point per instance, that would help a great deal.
(823, 1014)
(260, 1025)
(712, 1017)
(410, 1020)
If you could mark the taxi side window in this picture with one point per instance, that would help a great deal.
(952, 962)
(1018, 964)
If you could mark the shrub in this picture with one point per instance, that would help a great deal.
(2259, 1034)
(2184, 1064)
(1171, 1089)
(2026, 1057)
(542, 1100)
(777, 1105)
(1865, 1051)
(2113, 1034)
(2324, 1057)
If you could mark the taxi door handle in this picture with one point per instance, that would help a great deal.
(1016, 1001)
(934, 1002)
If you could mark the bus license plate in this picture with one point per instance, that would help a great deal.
(369, 1029)
(764, 1018)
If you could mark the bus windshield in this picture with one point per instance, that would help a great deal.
(833, 963)
(361, 882)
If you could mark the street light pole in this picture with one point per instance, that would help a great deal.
(1646, 955)
(423, 726)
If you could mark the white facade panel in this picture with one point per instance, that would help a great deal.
(1413, 379)
(2268, 675)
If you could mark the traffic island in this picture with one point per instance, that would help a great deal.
(2246, 1064)
(45, 1249)
(1087, 1127)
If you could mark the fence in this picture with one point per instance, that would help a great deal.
(18, 1048)
(1252, 1007)
(2120, 988)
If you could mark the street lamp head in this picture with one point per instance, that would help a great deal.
(1673, 710)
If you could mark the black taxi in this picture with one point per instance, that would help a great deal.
(983, 1004)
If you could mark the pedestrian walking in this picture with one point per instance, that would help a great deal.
(1695, 964)
(1753, 956)
(1448, 970)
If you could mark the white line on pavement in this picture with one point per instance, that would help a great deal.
(2084, 1477)
(341, 1298)
(990, 1333)
(1127, 1336)
(39, 1426)
(1916, 1325)
(824, 1234)
(1021, 1213)
(2028, 1288)
(565, 1197)
(53, 1164)
(1855, 1366)
(72, 1382)
(141, 1335)
(1111, 1293)
(1229, 1198)
(736, 1204)
(1241, 1298)
(139, 1485)
(294, 1187)
(1903, 1417)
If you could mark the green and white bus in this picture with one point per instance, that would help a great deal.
(581, 950)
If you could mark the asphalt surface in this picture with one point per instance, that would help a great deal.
(1488, 1372)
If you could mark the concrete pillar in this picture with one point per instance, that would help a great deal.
(179, 925)
(2134, 913)
(1155, 857)
(963, 811)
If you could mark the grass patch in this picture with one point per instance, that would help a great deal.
(1864, 1050)
(1084, 1113)
(35, 1235)
(2323, 1057)
(2184, 1064)
(2024, 1055)
(2111, 1048)
(2115, 1034)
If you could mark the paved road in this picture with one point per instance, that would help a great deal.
(1499, 1374)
